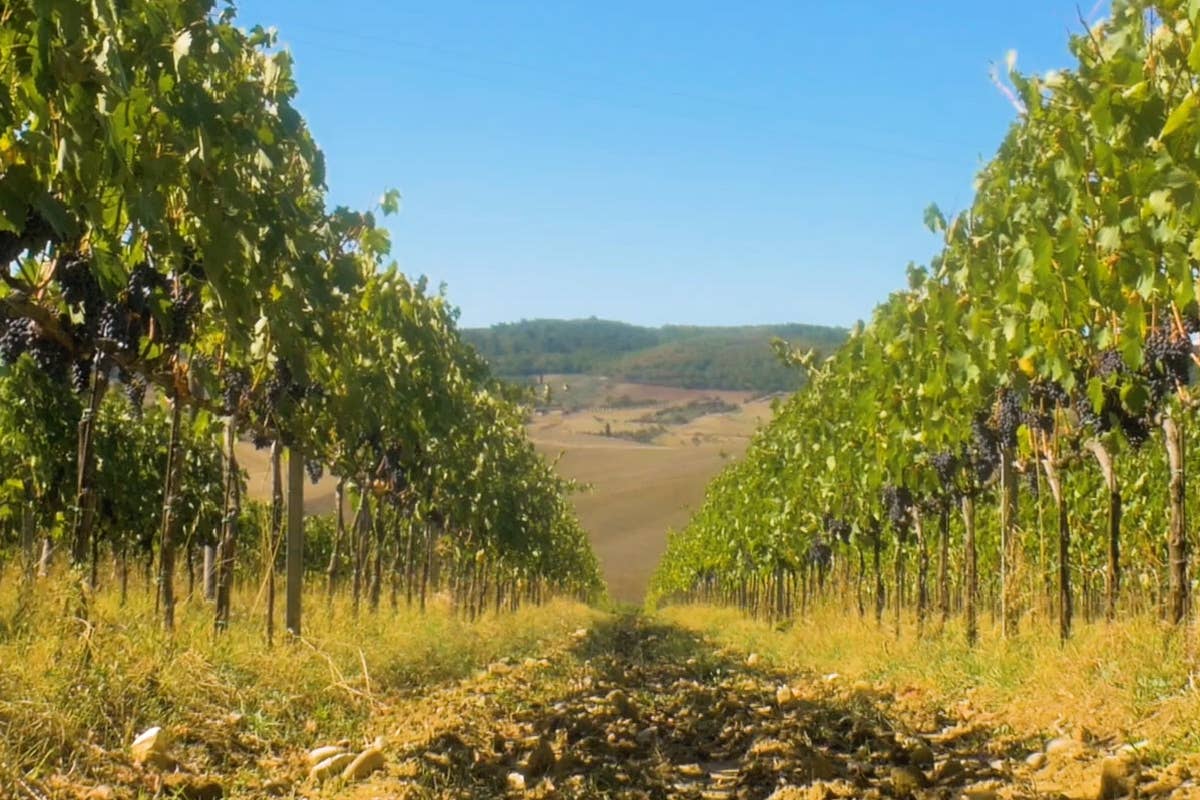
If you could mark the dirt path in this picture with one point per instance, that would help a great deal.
(636, 709)
(633, 707)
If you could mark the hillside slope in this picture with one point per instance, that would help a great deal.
(646, 477)
(737, 358)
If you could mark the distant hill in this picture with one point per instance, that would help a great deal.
(692, 357)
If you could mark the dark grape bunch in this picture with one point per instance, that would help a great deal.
(1110, 363)
(278, 383)
(118, 323)
(135, 392)
(820, 554)
(266, 399)
(79, 286)
(1167, 358)
(124, 322)
(1048, 394)
(945, 465)
(1099, 421)
(898, 501)
(181, 317)
(984, 453)
(35, 235)
(81, 374)
(50, 357)
(283, 384)
(118, 328)
(22, 336)
(1044, 398)
(143, 283)
(266, 402)
(1167, 363)
(315, 470)
(16, 339)
(1136, 429)
(235, 387)
(121, 323)
(838, 529)
(1008, 417)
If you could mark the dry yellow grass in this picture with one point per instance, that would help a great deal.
(76, 689)
(1132, 681)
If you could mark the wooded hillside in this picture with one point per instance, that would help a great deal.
(688, 356)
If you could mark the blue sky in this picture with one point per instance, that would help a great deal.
(661, 162)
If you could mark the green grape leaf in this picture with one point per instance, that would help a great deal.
(1194, 54)
(1180, 116)
(1159, 203)
(1135, 398)
(1109, 238)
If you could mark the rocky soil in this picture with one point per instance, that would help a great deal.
(635, 709)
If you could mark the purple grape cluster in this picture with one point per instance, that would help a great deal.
(182, 314)
(945, 465)
(1110, 363)
(143, 284)
(1091, 419)
(1167, 360)
(21, 336)
(820, 554)
(117, 328)
(78, 285)
(898, 502)
(16, 338)
(35, 234)
(984, 452)
(81, 374)
(135, 392)
(283, 384)
(235, 389)
(837, 529)
(1044, 398)
(1008, 417)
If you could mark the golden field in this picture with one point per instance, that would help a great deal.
(636, 491)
